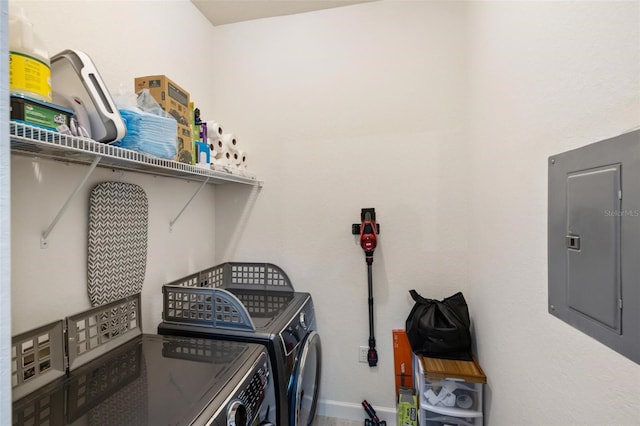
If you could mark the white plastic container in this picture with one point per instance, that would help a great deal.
(448, 400)
(29, 65)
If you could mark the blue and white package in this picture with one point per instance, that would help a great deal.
(149, 133)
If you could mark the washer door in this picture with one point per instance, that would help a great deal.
(306, 382)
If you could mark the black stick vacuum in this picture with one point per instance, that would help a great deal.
(368, 230)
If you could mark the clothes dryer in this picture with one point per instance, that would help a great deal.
(256, 303)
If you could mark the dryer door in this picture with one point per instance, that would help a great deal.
(306, 382)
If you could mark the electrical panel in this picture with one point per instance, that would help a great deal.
(594, 241)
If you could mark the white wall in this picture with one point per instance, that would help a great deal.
(546, 77)
(125, 40)
(360, 106)
(367, 106)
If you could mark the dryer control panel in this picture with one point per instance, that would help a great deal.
(300, 325)
(253, 400)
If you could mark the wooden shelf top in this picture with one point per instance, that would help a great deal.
(469, 371)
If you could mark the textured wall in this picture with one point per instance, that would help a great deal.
(360, 106)
(369, 106)
(546, 77)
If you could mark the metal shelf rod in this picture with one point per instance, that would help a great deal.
(43, 240)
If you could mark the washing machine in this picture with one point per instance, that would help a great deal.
(130, 378)
(255, 303)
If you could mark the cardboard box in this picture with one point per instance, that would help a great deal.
(402, 360)
(186, 153)
(174, 100)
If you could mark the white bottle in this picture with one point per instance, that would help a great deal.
(29, 65)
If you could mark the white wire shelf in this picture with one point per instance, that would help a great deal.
(37, 142)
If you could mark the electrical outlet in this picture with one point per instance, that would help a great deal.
(364, 350)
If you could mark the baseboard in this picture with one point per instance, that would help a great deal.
(350, 411)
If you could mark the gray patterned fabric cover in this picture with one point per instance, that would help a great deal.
(117, 246)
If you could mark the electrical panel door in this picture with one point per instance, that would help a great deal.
(593, 244)
(594, 241)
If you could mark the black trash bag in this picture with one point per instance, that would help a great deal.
(440, 329)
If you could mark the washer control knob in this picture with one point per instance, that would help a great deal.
(236, 414)
(303, 321)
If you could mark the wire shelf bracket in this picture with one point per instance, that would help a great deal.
(187, 205)
(38, 142)
(44, 242)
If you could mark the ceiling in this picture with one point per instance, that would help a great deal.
(220, 12)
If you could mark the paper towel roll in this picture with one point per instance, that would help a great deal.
(226, 159)
(215, 145)
(220, 158)
(213, 149)
(214, 128)
(236, 158)
(230, 141)
(220, 145)
(243, 158)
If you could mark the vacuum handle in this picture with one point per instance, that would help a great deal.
(370, 411)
